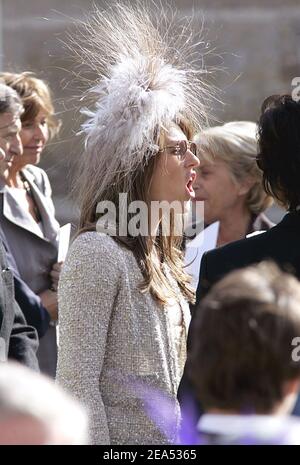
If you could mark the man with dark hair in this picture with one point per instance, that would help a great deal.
(279, 160)
(17, 340)
(243, 363)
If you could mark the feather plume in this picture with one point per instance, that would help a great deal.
(148, 71)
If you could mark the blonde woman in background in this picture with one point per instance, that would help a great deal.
(27, 215)
(230, 182)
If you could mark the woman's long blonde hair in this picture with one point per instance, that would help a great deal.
(235, 144)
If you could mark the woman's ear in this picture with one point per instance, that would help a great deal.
(246, 185)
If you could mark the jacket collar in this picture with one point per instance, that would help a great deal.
(14, 213)
(291, 219)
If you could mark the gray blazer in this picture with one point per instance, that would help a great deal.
(119, 351)
(33, 252)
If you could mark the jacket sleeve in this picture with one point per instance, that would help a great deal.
(35, 313)
(23, 342)
(87, 291)
(22, 339)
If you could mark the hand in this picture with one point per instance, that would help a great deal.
(49, 301)
(55, 273)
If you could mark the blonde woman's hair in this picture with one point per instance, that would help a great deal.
(235, 144)
(35, 95)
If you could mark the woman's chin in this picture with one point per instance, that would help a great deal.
(183, 207)
(187, 205)
(32, 159)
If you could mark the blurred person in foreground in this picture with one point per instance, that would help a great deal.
(27, 215)
(243, 362)
(230, 182)
(35, 411)
(17, 340)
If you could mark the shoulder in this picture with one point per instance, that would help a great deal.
(238, 250)
(93, 240)
(261, 223)
(278, 244)
(218, 262)
(39, 176)
(38, 173)
(93, 263)
(97, 248)
(242, 253)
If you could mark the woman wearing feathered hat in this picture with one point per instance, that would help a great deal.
(123, 297)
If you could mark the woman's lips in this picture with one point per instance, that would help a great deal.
(189, 185)
(33, 147)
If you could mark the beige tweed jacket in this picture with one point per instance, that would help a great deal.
(119, 349)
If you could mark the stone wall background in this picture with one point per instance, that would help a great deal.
(257, 42)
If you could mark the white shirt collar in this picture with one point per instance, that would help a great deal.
(265, 427)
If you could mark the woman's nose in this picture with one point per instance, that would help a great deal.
(38, 133)
(16, 146)
(192, 160)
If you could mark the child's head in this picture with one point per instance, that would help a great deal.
(242, 358)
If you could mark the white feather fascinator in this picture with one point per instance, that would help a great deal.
(140, 95)
(149, 72)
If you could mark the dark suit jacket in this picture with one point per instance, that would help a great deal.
(17, 340)
(34, 312)
(31, 305)
(280, 244)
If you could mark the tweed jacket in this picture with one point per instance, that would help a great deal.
(17, 340)
(34, 253)
(117, 350)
